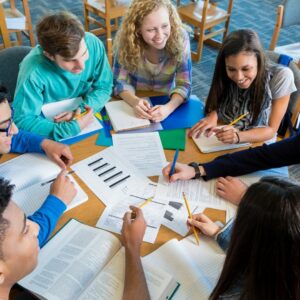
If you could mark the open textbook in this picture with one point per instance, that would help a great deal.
(212, 144)
(196, 267)
(83, 262)
(50, 110)
(31, 174)
(122, 116)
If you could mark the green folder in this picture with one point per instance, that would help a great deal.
(173, 139)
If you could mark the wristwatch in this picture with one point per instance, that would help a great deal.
(197, 170)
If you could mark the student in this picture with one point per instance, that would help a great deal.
(244, 83)
(154, 36)
(279, 154)
(62, 190)
(19, 247)
(263, 260)
(67, 63)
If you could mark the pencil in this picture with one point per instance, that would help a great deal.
(190, 216)
(51, 180)
(80, 115)
(237, 119)
(174, 163)
(146, 202)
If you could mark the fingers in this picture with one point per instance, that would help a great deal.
(142, 112)
(65, 116)
(226, 134)
(59, 160)
(166, 170)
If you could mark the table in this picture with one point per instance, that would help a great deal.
(90, 211)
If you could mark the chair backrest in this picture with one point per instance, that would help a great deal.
(294, 103)
(291, 14)
(10, 58)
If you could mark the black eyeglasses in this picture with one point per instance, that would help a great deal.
(10, 122)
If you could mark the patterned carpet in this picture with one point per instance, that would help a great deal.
(255, 14)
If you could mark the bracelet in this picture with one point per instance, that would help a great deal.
(197, 170)
(238, 138)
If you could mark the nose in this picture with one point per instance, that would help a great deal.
(159, 33)
(13, 129)
(239, 75)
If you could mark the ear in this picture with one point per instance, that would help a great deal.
(2, 272)
(51, 57)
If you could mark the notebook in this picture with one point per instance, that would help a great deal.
(122, 116)
(212, 144)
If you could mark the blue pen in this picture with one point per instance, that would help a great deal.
(174, 162)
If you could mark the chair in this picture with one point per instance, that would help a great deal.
(13, 21)
(107, 10)
(204, 16)
(288, 14)
(294, 103)
(10, 59)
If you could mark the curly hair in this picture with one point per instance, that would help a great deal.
(129, 44)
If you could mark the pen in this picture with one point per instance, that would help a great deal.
(80, 115)
(174, 163)
(190, 216)
(237, 119)
(51, 180)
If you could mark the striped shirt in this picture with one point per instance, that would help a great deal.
(168, 76)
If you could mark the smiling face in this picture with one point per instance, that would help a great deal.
(156, 28)
(20, 245)
(242, 68)
(5, 119)
(74, 64)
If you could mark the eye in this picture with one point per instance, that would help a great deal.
(165, 26)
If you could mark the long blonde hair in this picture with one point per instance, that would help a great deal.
(129, 44)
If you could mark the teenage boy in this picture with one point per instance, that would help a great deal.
(67, 63)
(62, 190)
(19, 247)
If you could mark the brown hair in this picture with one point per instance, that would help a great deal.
(238, 41)
(60, 33)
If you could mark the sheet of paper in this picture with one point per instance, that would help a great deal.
(31, 198)
(176, 214)
(143, 150)
(50, 110)
(112, 217)
(109, 176)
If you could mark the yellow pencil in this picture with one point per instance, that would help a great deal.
(146, 202)
(237, 119)
(80, 115)
(190, 216)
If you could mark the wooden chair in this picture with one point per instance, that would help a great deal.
(204, 16)
(107, 12)
(14, 21)
(288, 14)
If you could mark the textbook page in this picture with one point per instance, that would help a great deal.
(212, 144)
(175, 259)
(28, 169)
(50, 110)
(69, 262)
(160, 283)
(109, 176)
(143, 150)
(122, 116)
(31, 198)
(112, 217)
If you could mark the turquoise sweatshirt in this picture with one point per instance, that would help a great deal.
(42, 81)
